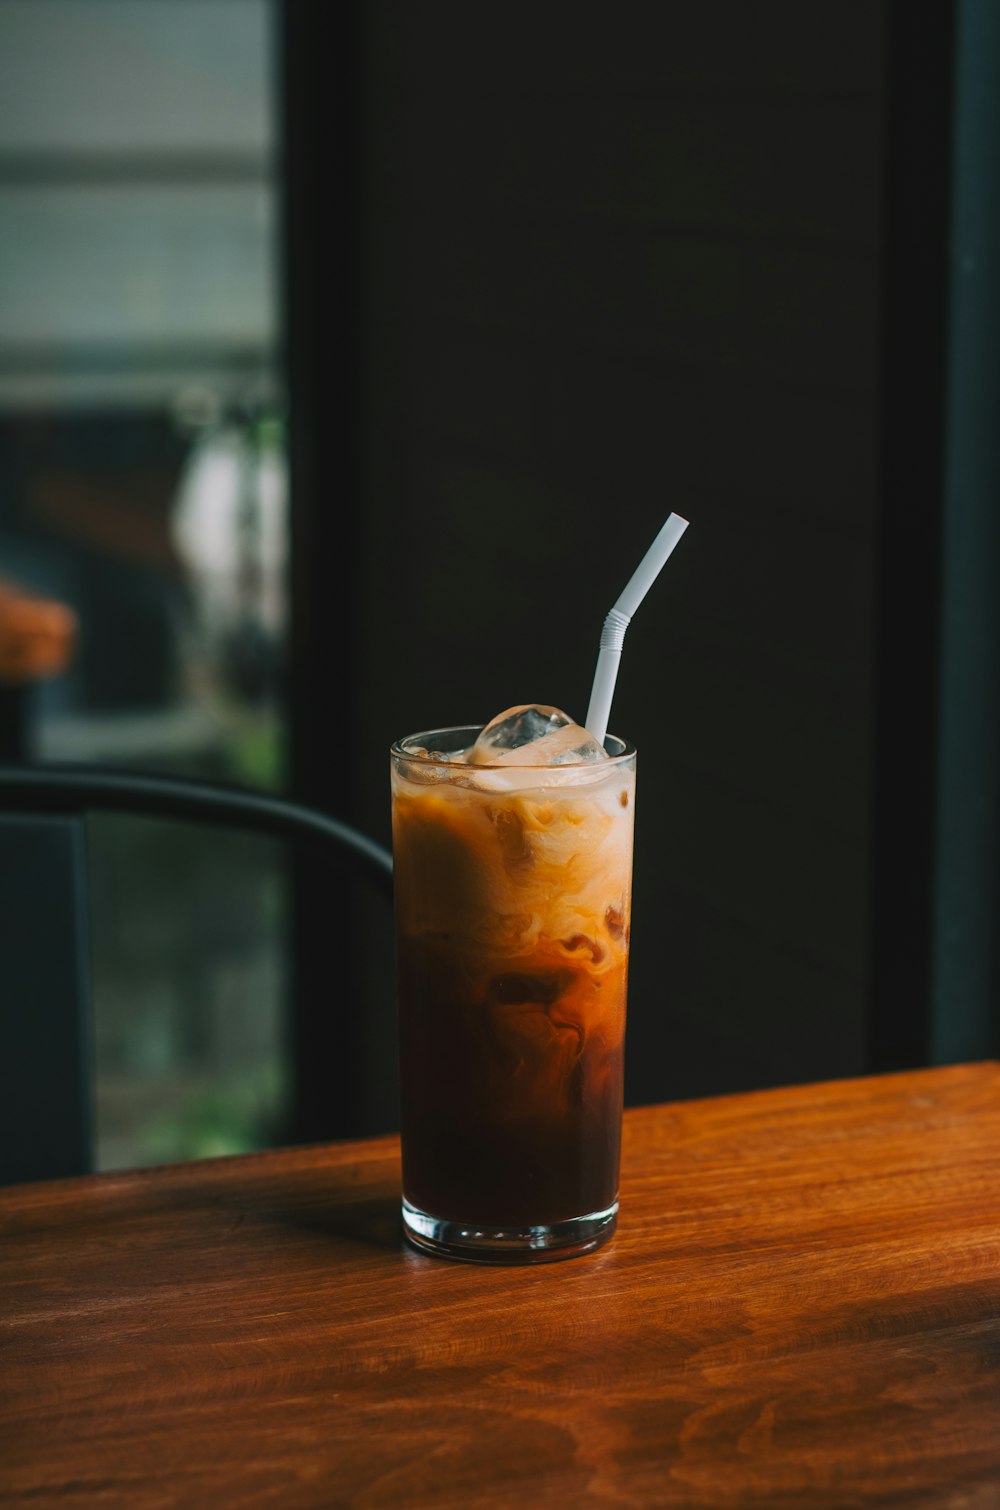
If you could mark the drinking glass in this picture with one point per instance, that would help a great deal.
(513, 896)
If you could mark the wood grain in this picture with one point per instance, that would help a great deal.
(801, 1307)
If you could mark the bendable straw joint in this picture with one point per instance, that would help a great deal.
(613, 633)
(618, 620)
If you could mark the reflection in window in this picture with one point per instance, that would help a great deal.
(143, 486)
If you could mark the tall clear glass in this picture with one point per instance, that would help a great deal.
(513, 896)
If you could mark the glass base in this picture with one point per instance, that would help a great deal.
(476, 1243)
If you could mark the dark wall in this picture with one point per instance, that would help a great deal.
(615, 261)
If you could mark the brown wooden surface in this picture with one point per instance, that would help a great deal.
(801, 1307)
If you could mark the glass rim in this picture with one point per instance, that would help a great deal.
(400, 752)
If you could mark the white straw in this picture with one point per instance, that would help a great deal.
(618, 620)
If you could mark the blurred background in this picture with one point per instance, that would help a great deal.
(350, 358)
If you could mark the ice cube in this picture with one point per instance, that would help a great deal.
(569, 745)
(425, 767)
(517, 726)
(534, 734)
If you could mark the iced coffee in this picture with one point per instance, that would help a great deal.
(513, 860)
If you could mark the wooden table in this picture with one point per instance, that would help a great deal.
(801, 1307)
